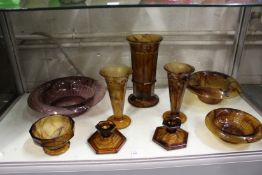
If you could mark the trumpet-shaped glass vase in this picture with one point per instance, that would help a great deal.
(116, 77)
(178, 75)
(144, 53)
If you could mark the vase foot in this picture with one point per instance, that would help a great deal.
(208, 100)
(58, 151)
(120, 123)
(181, 116)
(143, 102)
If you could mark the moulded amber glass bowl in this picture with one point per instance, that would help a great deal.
(212, 87)
(70, 96)
(53, 133)
(233, 125)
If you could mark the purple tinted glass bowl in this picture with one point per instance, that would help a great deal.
(70, 96)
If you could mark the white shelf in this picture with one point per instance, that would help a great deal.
(17, 147)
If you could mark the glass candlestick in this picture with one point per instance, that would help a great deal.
(116, 77)
(144, 53)
(170, 136)
(107, 139)
(178, 75)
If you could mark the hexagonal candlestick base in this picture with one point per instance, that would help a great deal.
(168, 140)
(107, 139)
(106, 145)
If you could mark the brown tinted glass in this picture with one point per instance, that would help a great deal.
(178, 75)
(171, 136)
(212, 87)
(107, 139)
(233, 125)
(116, 77)
(144, 53)
(53, 133)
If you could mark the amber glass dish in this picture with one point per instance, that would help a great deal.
(212, 87)
(233, 125)
(70, 96)
(53, 133)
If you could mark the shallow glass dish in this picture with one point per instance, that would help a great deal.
(212, 87)
(53, 133)
(233, 125)
(70, 96)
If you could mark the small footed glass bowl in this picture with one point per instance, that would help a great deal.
(53, 133)
(212, 87)
(70, 96)
(233, 125)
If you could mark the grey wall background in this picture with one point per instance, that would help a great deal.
(92, 38)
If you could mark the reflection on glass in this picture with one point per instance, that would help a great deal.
(8, 89)
(64, 4)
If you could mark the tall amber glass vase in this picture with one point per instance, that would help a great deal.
(144, 53)
(116, 77)
(178, 75)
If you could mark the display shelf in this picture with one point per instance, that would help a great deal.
(18, 153)
(15, 5)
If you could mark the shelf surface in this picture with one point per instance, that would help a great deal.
(15, 5)
(17, 146)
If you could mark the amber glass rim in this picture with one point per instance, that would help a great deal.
(191, 69)
(115, 71)
(72, 124)
(204, 91)
(133, 38)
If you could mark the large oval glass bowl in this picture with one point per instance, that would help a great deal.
(70, 96)
(233, 125)
(212, 87)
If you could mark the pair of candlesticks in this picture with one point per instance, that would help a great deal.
(144, 53)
